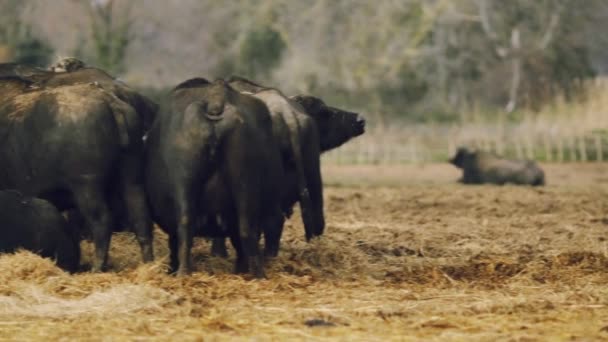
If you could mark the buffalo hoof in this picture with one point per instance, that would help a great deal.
(270, 254)
(241, 266)
(257, 268)
(182, 272)
(147, 254)
(259, 274)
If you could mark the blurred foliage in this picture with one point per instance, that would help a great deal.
(421, 60)
(260, 52)
(22, 45)
(111, 34)
(445, 57)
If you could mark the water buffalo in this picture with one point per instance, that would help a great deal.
(480, 167)
(128, 201)
(70, 71)
(297, 137)
(74, 145)
(214, 170)
(303, 127)
(36, 225)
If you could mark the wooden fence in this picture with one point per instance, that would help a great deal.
(543, 140)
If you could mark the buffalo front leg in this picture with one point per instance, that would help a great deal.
(314, 182)
(90, 201)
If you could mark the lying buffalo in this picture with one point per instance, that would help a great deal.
(481, 167)
(36, 225)
(74, 145)
(131, 113)
(303, 127)
(214, 170)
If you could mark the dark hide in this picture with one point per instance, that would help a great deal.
(213, 170)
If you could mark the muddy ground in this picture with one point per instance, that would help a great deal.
(408, 255)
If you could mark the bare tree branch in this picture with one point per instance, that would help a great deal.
(515, 69)
(485, 20)
(549, 33)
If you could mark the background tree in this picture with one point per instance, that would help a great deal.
(17, 42)
(110, 32)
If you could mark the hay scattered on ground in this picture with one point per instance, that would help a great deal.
(431, 262)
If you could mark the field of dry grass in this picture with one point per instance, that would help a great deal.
(408, 255)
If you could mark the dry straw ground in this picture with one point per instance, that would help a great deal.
(408, 255)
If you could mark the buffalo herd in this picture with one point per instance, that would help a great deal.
(81, 150)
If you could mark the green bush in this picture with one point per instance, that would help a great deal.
(260, 52)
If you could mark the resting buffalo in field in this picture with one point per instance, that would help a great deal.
(75, 145)
(480, 167)
(214, 170)
(36, 225)
(131, 111)
(303, 127)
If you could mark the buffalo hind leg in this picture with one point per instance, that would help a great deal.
(91, 203)
(134, 200)
(248, 258)
(184, 238)
(218, 247)
(249, 238)
(240, 264)
(273, 229)
(139, 219)
(173, 248)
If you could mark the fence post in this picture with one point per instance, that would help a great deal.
(518, 150)
(548, 151)
(599, 156)
(572, 148)
(582, 148)
(528, 148)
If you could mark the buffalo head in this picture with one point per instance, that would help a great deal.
(462, 156)
(336, 126)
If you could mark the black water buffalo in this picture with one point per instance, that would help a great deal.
(480, 167)
(303, 127)
(74, 145)
(214, 170)
(297, 137)
(70, 71)
(132, 111)
(36, 225)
